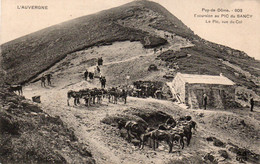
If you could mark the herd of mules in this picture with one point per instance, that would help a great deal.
(172, 132)
(95, 95)
(91, 96)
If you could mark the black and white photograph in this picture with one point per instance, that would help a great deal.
(130, 81)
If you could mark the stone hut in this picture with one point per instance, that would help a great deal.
(189, 89)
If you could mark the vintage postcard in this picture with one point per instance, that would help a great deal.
(130, 81)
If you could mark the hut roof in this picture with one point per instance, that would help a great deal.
(205, 79)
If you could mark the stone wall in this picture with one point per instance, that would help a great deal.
(219, 96)
(179, 86)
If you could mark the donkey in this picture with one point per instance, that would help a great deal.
(18, 88)
(134, 129)
(158, 135)
(73, 94)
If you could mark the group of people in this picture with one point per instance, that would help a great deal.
(97, 73)
(89, 75)
(44, 78)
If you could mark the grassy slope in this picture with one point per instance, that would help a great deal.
(29, 135)
(205, 60)
(36, 52)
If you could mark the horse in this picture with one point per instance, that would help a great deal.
(158, 135)
(104, 92)
(85, 94)
(18, 88)
(73, 94)
(118, 93)
(134, 129)
(185, 130)
(175, 137)
(87, 99)
(111, 95)
(121, 93)
(93, 94)
(99, 95)
(168, 125)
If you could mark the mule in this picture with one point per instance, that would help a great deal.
(185, 130)
(158, 136)
(134, 129)
(175, 137)
(73, 94)
(16, 88)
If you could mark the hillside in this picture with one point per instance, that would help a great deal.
(36, 52)
(30, 135)
(130, 39)
(136, 21)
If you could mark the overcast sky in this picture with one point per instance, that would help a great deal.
(246, 36)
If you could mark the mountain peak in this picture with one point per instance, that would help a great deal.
(143, 21)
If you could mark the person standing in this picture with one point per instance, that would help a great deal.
(98, 62)
(205, 101)
(103, 82)
(43, 81)
(98, 69)
(86, 75)
(101, 61)
(251, 103)
(91, 75)
(48, 76)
